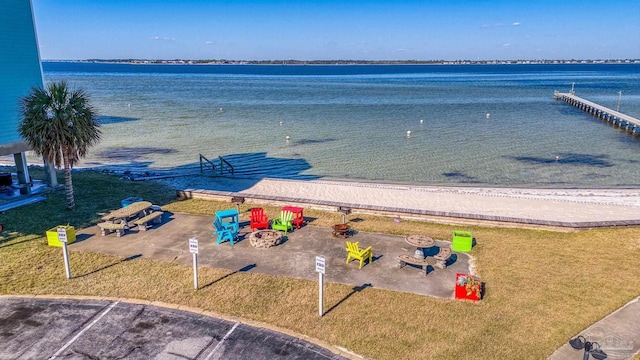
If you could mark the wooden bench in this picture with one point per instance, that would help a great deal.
(107, 227)
(155, 217)
(441, 258)
(406, 259)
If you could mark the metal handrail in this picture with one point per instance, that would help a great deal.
(213, 166)
(225, 162)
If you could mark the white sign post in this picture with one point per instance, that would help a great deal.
(320, 270)
(193, 248)
(62, 237)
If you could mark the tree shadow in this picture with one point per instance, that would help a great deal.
(355, 289)
(132, 257)
(243, 269)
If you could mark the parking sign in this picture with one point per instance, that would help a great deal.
(62, 235)
(320, 264)
(193, 245)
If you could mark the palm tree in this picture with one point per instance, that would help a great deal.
(60, 125)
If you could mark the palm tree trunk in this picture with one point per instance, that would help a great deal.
(68, 184)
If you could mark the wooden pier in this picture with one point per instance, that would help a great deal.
(626, 122)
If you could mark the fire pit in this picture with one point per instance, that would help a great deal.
(341, 231)
(263, 239)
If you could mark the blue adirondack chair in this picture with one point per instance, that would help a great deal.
(224, 232)
(229, 219)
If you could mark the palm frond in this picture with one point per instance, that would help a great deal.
(59, 124)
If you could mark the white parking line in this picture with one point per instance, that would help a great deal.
(83, 330)
(221, 341)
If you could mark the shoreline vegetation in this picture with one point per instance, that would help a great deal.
(539, 283)
(348, 62)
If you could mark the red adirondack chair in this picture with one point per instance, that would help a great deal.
(259, 220)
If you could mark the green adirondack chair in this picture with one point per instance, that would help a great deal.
(283, 222)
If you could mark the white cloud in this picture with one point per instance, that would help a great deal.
(162, 38)
(506, 45)
(515, 24)
(209, 42)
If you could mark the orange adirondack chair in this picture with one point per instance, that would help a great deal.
(258, 220)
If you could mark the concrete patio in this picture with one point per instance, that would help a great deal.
(295, 257)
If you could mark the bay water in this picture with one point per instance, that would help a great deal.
(480, 125)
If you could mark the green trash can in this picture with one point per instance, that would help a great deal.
(462, 241)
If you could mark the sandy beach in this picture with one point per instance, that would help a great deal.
(553, 207)
(543, 206)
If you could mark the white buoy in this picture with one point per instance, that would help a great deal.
(286, 137)
(128, 105)
(421, 121)
(408, 133)
(557, 157)
(488, 115)
(220, 109)
(280, 123)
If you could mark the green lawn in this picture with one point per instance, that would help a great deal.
(542, 287)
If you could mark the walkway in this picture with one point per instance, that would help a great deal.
(168, 243)
(618, 334)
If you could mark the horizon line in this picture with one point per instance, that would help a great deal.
(333, 61)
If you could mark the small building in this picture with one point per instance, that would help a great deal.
(20, 70)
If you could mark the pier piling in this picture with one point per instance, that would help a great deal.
(613, 117)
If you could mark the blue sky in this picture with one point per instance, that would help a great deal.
(344, 29)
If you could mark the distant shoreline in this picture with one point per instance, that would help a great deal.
(345, 62)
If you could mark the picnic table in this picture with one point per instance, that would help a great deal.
(118, 220)
(127, 212)
(420, 242)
